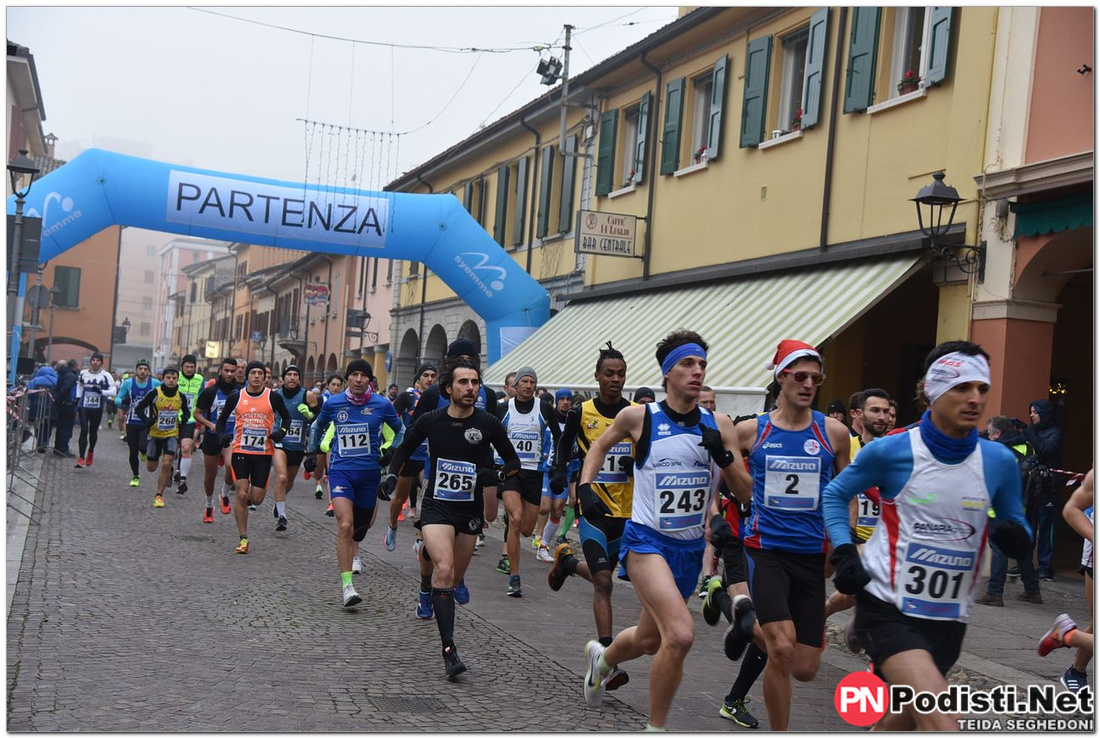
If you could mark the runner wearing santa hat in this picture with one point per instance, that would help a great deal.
(793, 452)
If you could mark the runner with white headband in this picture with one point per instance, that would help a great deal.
(916, 583)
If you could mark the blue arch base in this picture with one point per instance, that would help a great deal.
(99, 189)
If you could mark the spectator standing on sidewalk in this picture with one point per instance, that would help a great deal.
(1002, 430)
(65, 407)
(41, 406)
(1042, 486)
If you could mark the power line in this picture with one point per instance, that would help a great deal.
(444, 108)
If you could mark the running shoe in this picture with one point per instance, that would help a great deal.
(462, 593)
(504, 566)
(412, 513)
(135, 482)
(158, 501)
(593, 678)
(182, 488)
(226, 509)
(617, 678)
(703, 586)
(356, 565)
(281, 525)
(480, 541)
(514, 587)
(275, 511)
(452, 663)
(143, 457)
(176, 476)
(351, 597)
(319, 492)
(253, 508)
(122, 437)
(544, 555)
(242, 547)
(424, 609)
(739, 633)
(208, 515)
(1061, 625)
(557, 576)
(536, 542)
(736, 712)
(329, 512)
(391, 538)
(711, 610)
(1074, 680)
(80, 463)
(88, 458)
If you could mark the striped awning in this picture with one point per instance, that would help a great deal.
(742, 320)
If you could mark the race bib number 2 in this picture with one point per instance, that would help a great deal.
(681, 499)
(792, 483)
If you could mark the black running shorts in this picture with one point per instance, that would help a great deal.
(733, 560)
(293, 458)
(528, 483)
(254, 467)
(789, 586)
(464, 517)
(210, 445)
(885, 631)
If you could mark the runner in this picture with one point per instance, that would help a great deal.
(93, 387)
(604, 516)
(302, 407)
(334, 386)
(190, 384)
(208, 406)
(1078, 512)
(709, 400)
(251, 443)
(356, 459)
(460, 465)
(675, 443)
(130, 393)
(936, 482)
(793, 452)
(552, 505)
(532, 428)
(163, 410)
(413, 470)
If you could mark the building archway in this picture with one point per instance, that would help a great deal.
(470, 330)
(436, 346)
(332, 367)
(407, 356)
(309, 378)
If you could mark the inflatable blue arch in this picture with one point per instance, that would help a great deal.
(99, 189)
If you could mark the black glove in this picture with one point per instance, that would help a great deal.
(627, 465)
(309, 463)
(386, 487)
(1012, 539)
(712, 442)
(489, 477)
(385, 457)
(277, 435)
(721, 533)
(850, 576)
(559, 481)
(226, 440)
(592, 506)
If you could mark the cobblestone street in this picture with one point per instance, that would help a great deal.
(127, 618)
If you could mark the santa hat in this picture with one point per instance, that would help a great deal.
(790, 351)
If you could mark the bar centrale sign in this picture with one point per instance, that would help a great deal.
(606, 234)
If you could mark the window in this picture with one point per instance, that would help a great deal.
(910, 35)
(703, 99)
(149, 276)
(147, 303)
(373, 279)
(519, 172)
(473, 199)
(242, 269)
(67, 279)
(792, 80)
(605, 154)
(549, 192)
(500, 215)
(194, 290)
(150, 249)
(701, 91)
(389, 272)
(568, 185)
(145, 329)
(631, 120)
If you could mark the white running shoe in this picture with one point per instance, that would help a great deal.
(544, 555)
(357, 565)
(351, 597)
(593, 677)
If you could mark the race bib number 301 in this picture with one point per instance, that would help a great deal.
(455, 480)
(681, 499)
(935, 581)
(792, 483)
(354, 440)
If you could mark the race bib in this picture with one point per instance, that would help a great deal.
(528, 446)
(353, 440)
(868, 512)
(254, 439)
(681, 499)
(294, 435)
(455, 480)
(166, 419)
(614, 466)
(91, 401)
(935, 581)
(190, 400)
(792, 483)
(132, 416)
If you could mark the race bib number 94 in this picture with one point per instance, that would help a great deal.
(454, 480)
(792, 483)
(681, 499)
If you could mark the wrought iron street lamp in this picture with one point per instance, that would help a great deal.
(17, 168)
(936, 204)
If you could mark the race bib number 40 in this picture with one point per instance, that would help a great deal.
(935, 581)
(527, 446)
(681, 499)
(354, 440)
(792, 483)
(455, 480)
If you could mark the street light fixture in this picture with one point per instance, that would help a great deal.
(17, 167)
(933, 202)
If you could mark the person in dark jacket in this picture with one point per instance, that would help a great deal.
(40, 405)
(1045, 437)
(65, 407)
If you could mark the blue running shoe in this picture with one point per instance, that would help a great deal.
(462, 593)
(424, 609)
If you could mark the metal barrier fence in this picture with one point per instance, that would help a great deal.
(29, 425)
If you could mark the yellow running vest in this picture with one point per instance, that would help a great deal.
(167, 417)
(612, 484)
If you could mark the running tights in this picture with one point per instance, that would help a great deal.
(134, 435)
(89, 430)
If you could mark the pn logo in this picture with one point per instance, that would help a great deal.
(861, 698)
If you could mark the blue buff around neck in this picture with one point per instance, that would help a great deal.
(681, 352)
(944, 447)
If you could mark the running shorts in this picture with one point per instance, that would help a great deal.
(885, 631)
(789, 586)
(210, 445)
(157, 446)
(188, 432)
(684, 558)
(358, 485)
(293, 458)
(547, 492)
(254, 467)
(600, 540)
(411, 468)
(733, 560)
(464, 517)
(528, 483)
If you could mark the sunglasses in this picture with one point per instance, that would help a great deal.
(816, 377)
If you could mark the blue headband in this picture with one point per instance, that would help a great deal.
(682, 352)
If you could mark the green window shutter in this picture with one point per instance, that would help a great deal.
(501, 216)
(521, 200)
(480, 190)
(939, 45)
(757, 65)
(468, 197)
(717, 102)
(605, 154)
(568, 175)
(815, 68)
(670, 135)
(547, 176)
(862, 54)
(643, 130)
